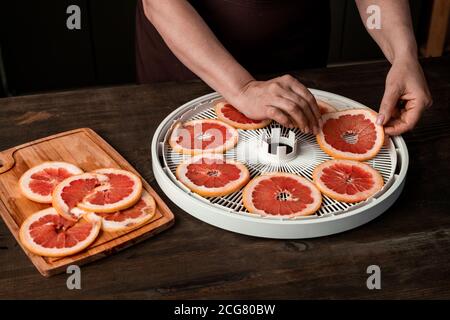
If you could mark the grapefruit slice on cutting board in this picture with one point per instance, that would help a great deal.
(130, 218)
(46, 233)
(351, 134)
(37, 183)
(347, 180)
(212, 175)
(104, 190)
(281, 194)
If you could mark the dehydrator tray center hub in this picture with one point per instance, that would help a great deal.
(277, 147)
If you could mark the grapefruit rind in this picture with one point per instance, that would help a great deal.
(219, 104)
(125, 203)
(358, 197)
(28, 242)
(309, 210)
(229, 144)
(231, 187)
(25, 179)
(338, 154)
(129, 223)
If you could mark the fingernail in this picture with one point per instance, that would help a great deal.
(306, 130)
(380, 119)
(316, 130)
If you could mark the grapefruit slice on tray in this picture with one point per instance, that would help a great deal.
(46, 233)
(104, 190)
(37, 183)
(347, 180)
(212, 175)
(325, 107)
(351, 134)
(229, 114)
(203, 136)
(281, 194)
(130, 218)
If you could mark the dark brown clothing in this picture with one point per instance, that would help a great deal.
(265, 36)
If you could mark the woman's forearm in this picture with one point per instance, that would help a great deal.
(195, 45)
(283, 99)
(395, 37)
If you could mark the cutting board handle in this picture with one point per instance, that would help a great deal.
(7, 160)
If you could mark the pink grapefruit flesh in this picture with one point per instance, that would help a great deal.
(229, 114)
(347, 180)
(46, 233)
(281, 194)
(212, 175)
(130, 218)
(104, 190)
(38, 183)
(351, 134)
(203, 136)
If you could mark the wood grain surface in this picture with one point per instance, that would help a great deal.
(88, 151)
(410, 242)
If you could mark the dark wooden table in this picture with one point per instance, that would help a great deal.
(410, 242)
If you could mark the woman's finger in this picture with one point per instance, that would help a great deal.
(314, 124)
(312, 121)
(407, 120)
(302, 91)
(279, 116)
(395, 127)
(388, 104)
(294, 111)
(413, 112)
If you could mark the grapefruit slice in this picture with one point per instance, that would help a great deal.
(325, 107)
(46, 233)
(351, 134)
(71, 191)
(203, 136)
(37, 183)
(104, 190)
(347, 180)
(281, 194)
(211, 175)
(229, 114)
(130, 218)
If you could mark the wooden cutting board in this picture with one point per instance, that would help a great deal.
(87, 150)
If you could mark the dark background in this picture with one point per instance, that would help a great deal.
(40, 54)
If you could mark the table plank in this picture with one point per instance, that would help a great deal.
(410, 242)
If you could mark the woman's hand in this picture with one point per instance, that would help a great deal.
(283, 99)
(405, 81)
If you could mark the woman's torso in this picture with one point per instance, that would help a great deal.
(265, 36)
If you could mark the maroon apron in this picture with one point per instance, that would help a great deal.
(264, 36)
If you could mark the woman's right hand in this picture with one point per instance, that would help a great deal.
(283, 99)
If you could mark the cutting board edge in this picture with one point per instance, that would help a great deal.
(7, 155)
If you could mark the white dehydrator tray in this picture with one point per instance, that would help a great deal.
(229, 213)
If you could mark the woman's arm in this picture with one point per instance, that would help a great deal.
(405, 80)
(283, 99)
